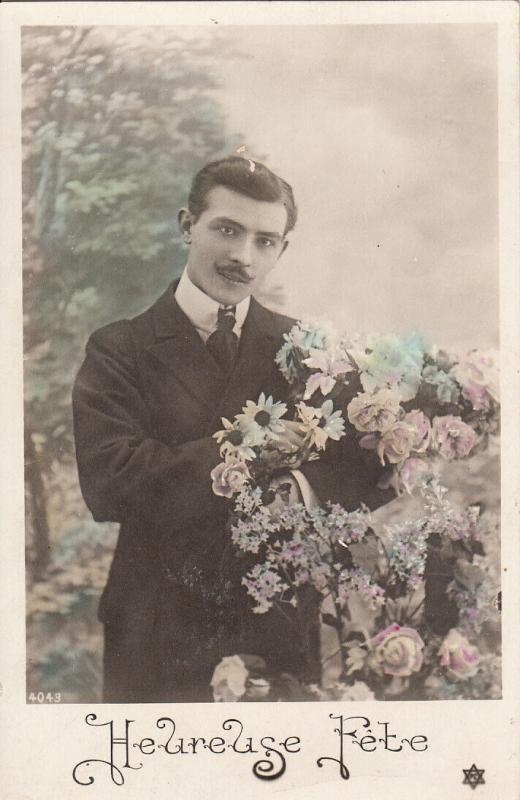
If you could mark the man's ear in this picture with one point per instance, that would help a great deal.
(185, 222)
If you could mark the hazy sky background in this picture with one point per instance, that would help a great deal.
(388, 135)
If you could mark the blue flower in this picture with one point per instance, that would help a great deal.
(447, 389)
(394, 362)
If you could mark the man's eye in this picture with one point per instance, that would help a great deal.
(265, 242)
(225, 230)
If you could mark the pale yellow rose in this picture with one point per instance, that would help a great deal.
(370, 412)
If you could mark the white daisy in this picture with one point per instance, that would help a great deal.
(261, 420)
(233, 442)
(321, 424)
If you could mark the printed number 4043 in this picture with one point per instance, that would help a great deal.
(45, 697)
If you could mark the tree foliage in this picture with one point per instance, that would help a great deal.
(116, 121)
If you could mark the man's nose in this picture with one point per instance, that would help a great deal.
(242, 252)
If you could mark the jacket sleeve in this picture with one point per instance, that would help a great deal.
(346, 476)
(123, 469)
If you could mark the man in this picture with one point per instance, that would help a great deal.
(148, 398)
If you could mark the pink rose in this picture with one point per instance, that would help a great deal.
(477, 396)
(422, 427)
(451, 437)
(411, 472)
(478, 378)
(396, 443)
(374, 412)
(229, 477)
(458, 656)
(396, 651)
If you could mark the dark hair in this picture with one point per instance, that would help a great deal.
(244, 176)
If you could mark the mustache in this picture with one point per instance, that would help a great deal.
(233, 271)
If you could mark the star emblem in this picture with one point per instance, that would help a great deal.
(473, 776)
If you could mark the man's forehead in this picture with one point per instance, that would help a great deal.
(261, 215)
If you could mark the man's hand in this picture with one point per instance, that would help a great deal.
(289, 448)
(293, 435)
(284, 496)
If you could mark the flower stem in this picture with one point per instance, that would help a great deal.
(284, 614)
(414, 612)
(338, 611)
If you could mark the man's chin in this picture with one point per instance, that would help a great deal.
(230, 293)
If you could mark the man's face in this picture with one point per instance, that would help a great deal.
(234, 244)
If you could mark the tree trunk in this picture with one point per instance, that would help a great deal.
(308, 616)
(36, 507)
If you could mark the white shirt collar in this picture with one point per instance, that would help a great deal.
(202, 310)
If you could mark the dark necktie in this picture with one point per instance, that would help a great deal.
(223, 342)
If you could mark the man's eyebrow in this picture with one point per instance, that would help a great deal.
(229, 221)
(270, 235)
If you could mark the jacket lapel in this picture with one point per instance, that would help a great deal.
(180, 349)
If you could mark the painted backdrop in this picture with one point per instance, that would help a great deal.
(388, 136)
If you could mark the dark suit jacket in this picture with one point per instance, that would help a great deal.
(146, 402)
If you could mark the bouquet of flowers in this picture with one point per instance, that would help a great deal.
(411, 405)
